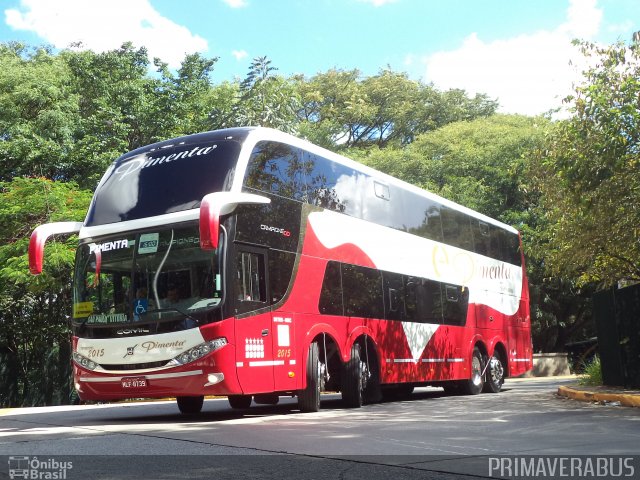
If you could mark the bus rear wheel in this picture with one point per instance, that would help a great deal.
(354, 379)
(495, 374)
(309, 397)
(190, 405)
(239, 402)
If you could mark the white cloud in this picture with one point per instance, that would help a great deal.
(236, 3)
(378, 3)
(239, 54)
(529, 74)
(105, 25)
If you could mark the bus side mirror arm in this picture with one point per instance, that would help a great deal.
(39, 238)
(216, 205)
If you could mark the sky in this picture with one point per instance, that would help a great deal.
(516, 51)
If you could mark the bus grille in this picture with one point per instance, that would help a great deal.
(134, 366)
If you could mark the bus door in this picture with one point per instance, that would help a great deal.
(520, 339)
(253, 325)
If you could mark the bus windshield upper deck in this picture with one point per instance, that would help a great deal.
(164, 178)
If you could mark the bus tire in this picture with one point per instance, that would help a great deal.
(354, 379)
(309, 397)
(475, 384)
(190, 405)
(239, 402)
(495, 374)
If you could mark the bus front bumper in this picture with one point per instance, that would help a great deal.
(189, 380)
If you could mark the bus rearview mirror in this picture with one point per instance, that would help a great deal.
(39, 238)
(216, 205)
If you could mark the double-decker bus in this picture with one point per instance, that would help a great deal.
(251, 264)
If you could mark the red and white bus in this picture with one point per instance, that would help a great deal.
(251, 264)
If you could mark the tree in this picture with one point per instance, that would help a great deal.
(34, 340)
(68, 116)
(38, 113)
(262, 99)
(588, 173)
(340, 109)
(184, 101)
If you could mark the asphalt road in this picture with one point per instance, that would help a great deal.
(428, 435)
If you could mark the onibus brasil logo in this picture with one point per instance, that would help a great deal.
(34, 468)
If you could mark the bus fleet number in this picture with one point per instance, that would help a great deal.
(284, 353)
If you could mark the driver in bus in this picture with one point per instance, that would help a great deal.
(172, 298)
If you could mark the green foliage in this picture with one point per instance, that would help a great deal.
(588, 174)
(68, 116)
(34, 342)
(38, 112)
(339, 108)
(262, 99)
(592, 373)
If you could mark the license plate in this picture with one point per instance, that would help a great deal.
(134, 382)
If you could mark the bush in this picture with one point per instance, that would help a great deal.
(592, 373)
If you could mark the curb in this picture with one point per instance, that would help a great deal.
(628, 400)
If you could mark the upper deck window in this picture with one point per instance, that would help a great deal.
(293, 173)
(163, 180)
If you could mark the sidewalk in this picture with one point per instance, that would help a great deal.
(601, 394)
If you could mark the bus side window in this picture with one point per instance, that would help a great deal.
(511, 248)
(481, 237)
(394, 296)
(456, 302)
(362, 289)
(251, 284)
(495, 244)
(280, 272)
(331, 292)
(277, 168)
(423, 301)
(322, 177)
(456, 229)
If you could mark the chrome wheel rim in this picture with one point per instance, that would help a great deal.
(497, 372)
(476, 371)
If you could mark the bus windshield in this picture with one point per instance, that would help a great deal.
(136, 185)
(137, 277)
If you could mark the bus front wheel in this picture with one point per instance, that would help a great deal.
(475, 384)
(190, 405)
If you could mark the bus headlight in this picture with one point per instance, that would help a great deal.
(198, 351)
(84, 361)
